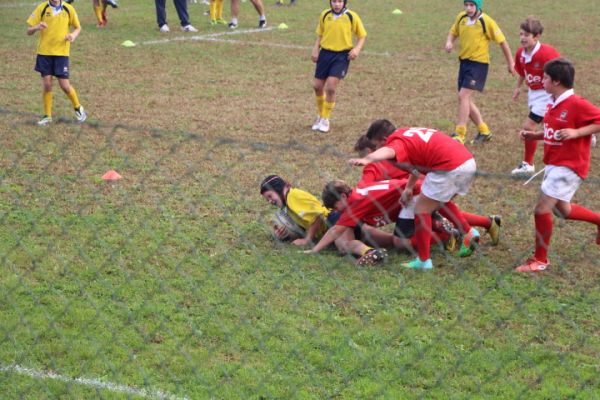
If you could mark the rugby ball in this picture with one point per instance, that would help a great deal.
(292, 230)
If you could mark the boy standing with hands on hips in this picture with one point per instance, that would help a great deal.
(333, 52)
(53, 19)
(475, 30)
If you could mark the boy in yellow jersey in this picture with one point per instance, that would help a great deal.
(53, 19)
(216, 12)
(333, 52)
(304, 208)
(475, 30)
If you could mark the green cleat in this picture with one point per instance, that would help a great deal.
(418, 264)
(469, 244)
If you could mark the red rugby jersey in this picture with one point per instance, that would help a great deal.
(427, 149)
(531, 66)
(569, 111)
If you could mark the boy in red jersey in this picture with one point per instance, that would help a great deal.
(568, 125)
(529, 64)
(449, 169)
(375, 138)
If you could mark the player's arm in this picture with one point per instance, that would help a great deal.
(356, 50)
(383, 153)
(37, 27)
(330, 236)
(71, 36)
(311, 232)
(518, 88)
(407, 193)
(450, 42)
(531, 135)
(570, 133)
(509, 58)
(314, 56)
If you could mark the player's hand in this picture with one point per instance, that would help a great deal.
(70, 37)
(314, 56)
(357, 162)
(516, 94)
(449, 46)
(527, 135)
(406, 197)
(352, 54)
(511, 70)
(566, 134)
(301, 242)
(41, 26)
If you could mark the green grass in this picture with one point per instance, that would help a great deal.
(169, 281)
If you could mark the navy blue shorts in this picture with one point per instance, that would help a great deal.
(332, 63)
(472, 75)
(57, 66)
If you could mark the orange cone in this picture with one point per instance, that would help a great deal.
(111, 176)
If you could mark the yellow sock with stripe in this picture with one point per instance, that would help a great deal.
(320, 102)
(48, 104)
(327, 109)
(461, 131)
(483, 129)
(365, 250)
(74, 99)
(98, 12)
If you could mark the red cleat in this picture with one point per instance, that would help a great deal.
(532, 265)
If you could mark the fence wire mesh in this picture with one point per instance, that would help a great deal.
(168, 283)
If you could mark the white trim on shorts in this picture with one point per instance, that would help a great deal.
(538, 101)
(560, 182)
(444, 185)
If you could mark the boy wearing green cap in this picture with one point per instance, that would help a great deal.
(475, 30)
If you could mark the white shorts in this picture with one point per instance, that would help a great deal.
(444, 185)
(560, 183)
(538, 101)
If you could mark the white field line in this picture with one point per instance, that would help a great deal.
(216, 37)
(19, 5)
(94, 383)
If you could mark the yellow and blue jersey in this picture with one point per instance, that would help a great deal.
(336, 30)
(53, 40)
(304, 208)
(475, 36)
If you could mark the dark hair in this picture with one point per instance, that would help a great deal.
(561, 70)
(532, 25)
(380, 129)
(276, 184)
(333, 191)
(363, 143)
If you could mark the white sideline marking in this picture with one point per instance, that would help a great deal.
(95, 383)
(215, 37)
(207, 37)
(16, 5)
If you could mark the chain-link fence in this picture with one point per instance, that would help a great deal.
(167, 283)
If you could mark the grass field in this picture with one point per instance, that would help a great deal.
(167, 284)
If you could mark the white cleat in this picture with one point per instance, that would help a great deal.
(524, 169)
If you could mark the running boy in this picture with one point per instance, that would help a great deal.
(304, 208)
(333, 51)
(529, 64)
(449, 169)
(475, 30)
(568, 125)
(53, 19)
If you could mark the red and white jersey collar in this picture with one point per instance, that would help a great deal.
(528, 56)
(563, 97)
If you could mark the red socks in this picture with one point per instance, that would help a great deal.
(543, 233)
